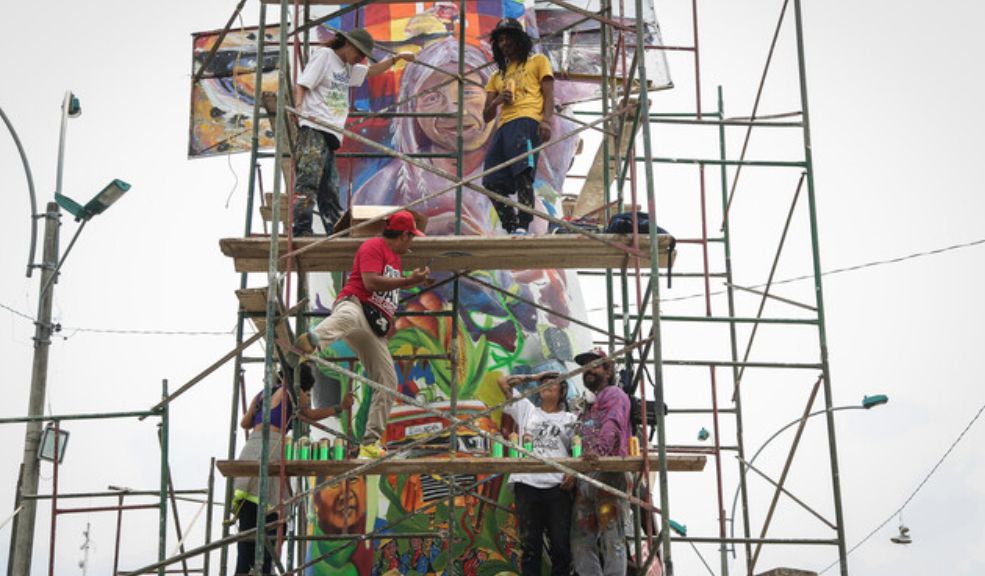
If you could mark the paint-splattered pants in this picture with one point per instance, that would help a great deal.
(510, 140)
(598, 529)
(316, 179)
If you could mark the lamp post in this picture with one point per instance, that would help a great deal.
(22, 534)
(867, 403)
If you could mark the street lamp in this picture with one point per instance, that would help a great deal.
(99, 203)
(867, 403)
(22, 535)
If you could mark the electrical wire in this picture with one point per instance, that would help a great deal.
(148, 332)
(16, 312)
(899, 511)
(854, 268)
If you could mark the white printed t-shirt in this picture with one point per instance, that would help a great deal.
(328, 79)
(551, 433)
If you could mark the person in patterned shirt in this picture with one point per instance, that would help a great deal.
(598, 533)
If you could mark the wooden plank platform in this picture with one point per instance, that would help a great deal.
(452, 253)
(267, 211)
(254, 300)
(484, 465)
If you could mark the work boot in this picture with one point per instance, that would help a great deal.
(306, 343)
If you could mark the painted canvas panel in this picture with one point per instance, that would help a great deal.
(221, 116)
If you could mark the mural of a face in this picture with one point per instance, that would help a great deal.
(342, 508)
(495, 332)
(438, 95)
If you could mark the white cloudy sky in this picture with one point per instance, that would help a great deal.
(894, 89)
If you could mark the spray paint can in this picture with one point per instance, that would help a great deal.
(497, 448)
(514, 439)
(288, 449)
(338, 450)
(304, 448)
(323, 449)
(528, 443)
(634, 446)
(576, 446)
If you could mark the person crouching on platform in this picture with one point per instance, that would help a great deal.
(363, 317)
(246, 490)
(598, 518)
(541, 505)
(524, 87)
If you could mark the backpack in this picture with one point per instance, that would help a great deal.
(622, 223)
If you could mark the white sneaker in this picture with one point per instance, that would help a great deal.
(518, 231)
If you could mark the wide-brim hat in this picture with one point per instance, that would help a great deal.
(361, 39)
(507, 25)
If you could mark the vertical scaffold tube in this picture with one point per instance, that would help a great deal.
(655, 303)
(821, 330)
(271, 312)
(162, 535)
(241, 317)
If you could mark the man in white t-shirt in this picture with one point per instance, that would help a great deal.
(322, 94)
(541, 504)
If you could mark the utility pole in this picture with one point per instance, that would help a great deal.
(23, 532)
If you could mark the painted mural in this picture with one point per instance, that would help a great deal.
(221, 115)
(496, 333)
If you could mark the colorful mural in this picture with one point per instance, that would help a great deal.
(221, 115)
(496, 333)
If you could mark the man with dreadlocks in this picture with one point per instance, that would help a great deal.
(524, 87)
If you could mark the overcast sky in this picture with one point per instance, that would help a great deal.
(894, 90)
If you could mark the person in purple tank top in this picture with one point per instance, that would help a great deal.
(283, 407)
(598, 533)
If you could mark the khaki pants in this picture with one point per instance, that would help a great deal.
(348, 323)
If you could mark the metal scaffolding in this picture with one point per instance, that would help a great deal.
(635, 327)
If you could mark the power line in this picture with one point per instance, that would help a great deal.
(147, 332)
(862, 266)
(151, 332)
(17, 312)
(914, 493)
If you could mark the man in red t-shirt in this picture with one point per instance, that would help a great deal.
(363, 316)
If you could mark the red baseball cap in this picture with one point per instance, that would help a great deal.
(403, 221)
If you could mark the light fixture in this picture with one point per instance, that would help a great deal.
(46, 449)
(703, 434)
(874, 400)
(74, 106)
(106, 197)
(681, 529)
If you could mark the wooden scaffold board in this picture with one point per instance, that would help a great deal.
(451, 253)
(481, 465)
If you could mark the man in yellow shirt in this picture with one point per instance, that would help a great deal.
(524, 87)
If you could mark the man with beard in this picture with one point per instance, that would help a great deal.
(598, 518)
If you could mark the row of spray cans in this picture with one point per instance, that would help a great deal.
(528, 445)
(308, 449)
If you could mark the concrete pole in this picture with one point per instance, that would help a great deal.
(23, 533)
